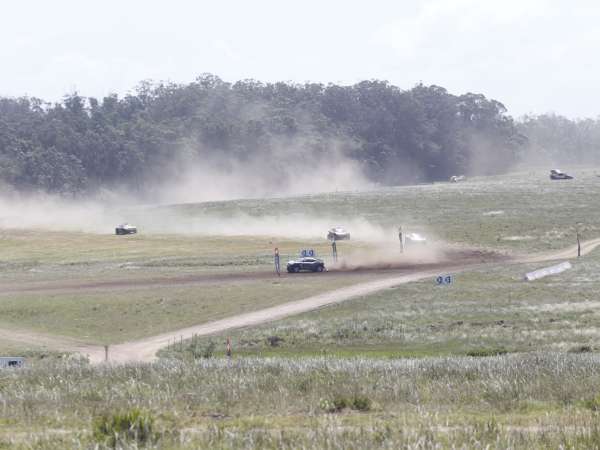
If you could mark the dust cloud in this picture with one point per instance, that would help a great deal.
(54, 213)
(282, 169)
(387, 256)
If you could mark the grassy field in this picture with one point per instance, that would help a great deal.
(308, 403)
(519, 212)
(483, 311)
(389, 370)
(38, 255)
(522, 211)
(118, 314)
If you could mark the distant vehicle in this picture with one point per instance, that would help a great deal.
(11, 361)
(457, 178)
(126, 228)
(414, 239)
(556, 174)
(338, 234)
(308, 264)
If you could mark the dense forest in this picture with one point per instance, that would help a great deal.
(394, 136)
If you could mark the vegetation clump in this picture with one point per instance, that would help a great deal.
(486, 352)
(338, 403)
(122, 427)
(200, 351)
(581, 349)
(274, 341)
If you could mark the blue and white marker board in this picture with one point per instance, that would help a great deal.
(444, 280)
(307, 252)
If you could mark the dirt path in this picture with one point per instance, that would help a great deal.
(54, 343)
(567, 253)
(145, 349)
(381, 268)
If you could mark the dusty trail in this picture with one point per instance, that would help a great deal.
(454, 256)
(145, 349)
(54, 343)
(566, 253)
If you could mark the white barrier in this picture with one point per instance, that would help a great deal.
(552, 270)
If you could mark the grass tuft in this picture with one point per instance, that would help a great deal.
(123, 427)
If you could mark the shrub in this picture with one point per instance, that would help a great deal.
(337, 404)
(581, 349)
(486, 431)
(204, 351)
(274, 341)
(593, 403)
(484, 352)
(133, 425)
(361, 403)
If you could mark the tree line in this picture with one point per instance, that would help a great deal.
(395, 136)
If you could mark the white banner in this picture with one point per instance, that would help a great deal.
(552, 270)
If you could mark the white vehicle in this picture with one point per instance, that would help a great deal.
(338, 234)
(414, 239)
(556, 174)
(126, 228)
(457, 178)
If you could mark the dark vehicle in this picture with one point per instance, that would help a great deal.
(556, 174)
(126, 228)
(309, 264)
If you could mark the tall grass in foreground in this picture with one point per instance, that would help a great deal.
(534, 400)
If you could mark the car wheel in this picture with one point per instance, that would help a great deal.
(319, 268)
(296, 269)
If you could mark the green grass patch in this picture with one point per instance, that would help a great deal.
(484, 313)
(116, 315)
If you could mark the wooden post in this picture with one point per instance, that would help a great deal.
(229, 347)
(106, 353)
(401, 240)
(578, 245)
(276, 259)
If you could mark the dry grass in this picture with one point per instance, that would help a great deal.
(536, 400)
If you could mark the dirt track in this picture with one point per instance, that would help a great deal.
(145, 349)
(452, 256)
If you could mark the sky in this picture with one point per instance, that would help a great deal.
(534, 56)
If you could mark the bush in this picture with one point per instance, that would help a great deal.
(581, 349)
(486, 431)
(593, 403)
(361, 403)
(274, 341)
(485, 352)
(204, 351)
(133, 425)
(339, 403)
